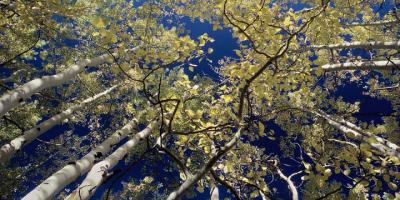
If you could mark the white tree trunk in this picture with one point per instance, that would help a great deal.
(214, 192)
(364, 45)
(99, 171)
(292, 187)
(366, 65)
(8, 150)
(190, 181)
(23, 92)
(379, 144)
(263, 197)
(56, 182)
(377, 23)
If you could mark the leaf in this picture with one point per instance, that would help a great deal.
(98, 22)
(182, 176)
(226, 98)
(210, 50)
(261, 129)
(307, 165)
(386, 178)
(148, 179)
(287, 21)
(393, 186)
(238, 53)
(129, 108)
(200, 189)
(304, 178)
(202, 42)
(207, 149)
(327, 172)
(191, 113)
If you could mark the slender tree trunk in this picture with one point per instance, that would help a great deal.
(364, 45)
(226, 184)
(214, 192)
(8, 150)
(377, 143)
(56, 182)
(23, 92)
(263, 197)
(190, 181)
(377, 23)
(292, 187)
(99, 171)
(366, 65)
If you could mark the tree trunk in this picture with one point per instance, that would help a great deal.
(23, 92)
(56, 182)
(226, 184)
(190, 181)
(367, 65)
(364, 45)
(377, 23)
(292, 187)
(99, 171)
(351, 130)
(8, 150)
(214, 192)
(263, 197)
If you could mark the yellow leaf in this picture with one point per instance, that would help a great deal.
(210, 50)
(202, 42)
(129, 108)
(287, 21)
(98, 22)
(307, 165)
(190, 113)
(392, 186)
(148, 179)
(200, 189)
(327, 172)
(238, 53)
(182, 176)
(261, 129)
(226, 98)
(207, 149)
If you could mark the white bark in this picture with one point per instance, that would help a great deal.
(226, 184)
(14, 97)
(364, 45)
(366, 65)
(263, 197)
(99, 171)
(8, 150)
(379, 144)
(214, 192)
(56, 182)
(377, 23)
(292, 187)
(190, 181)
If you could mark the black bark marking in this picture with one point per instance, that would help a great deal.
(98, 155)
